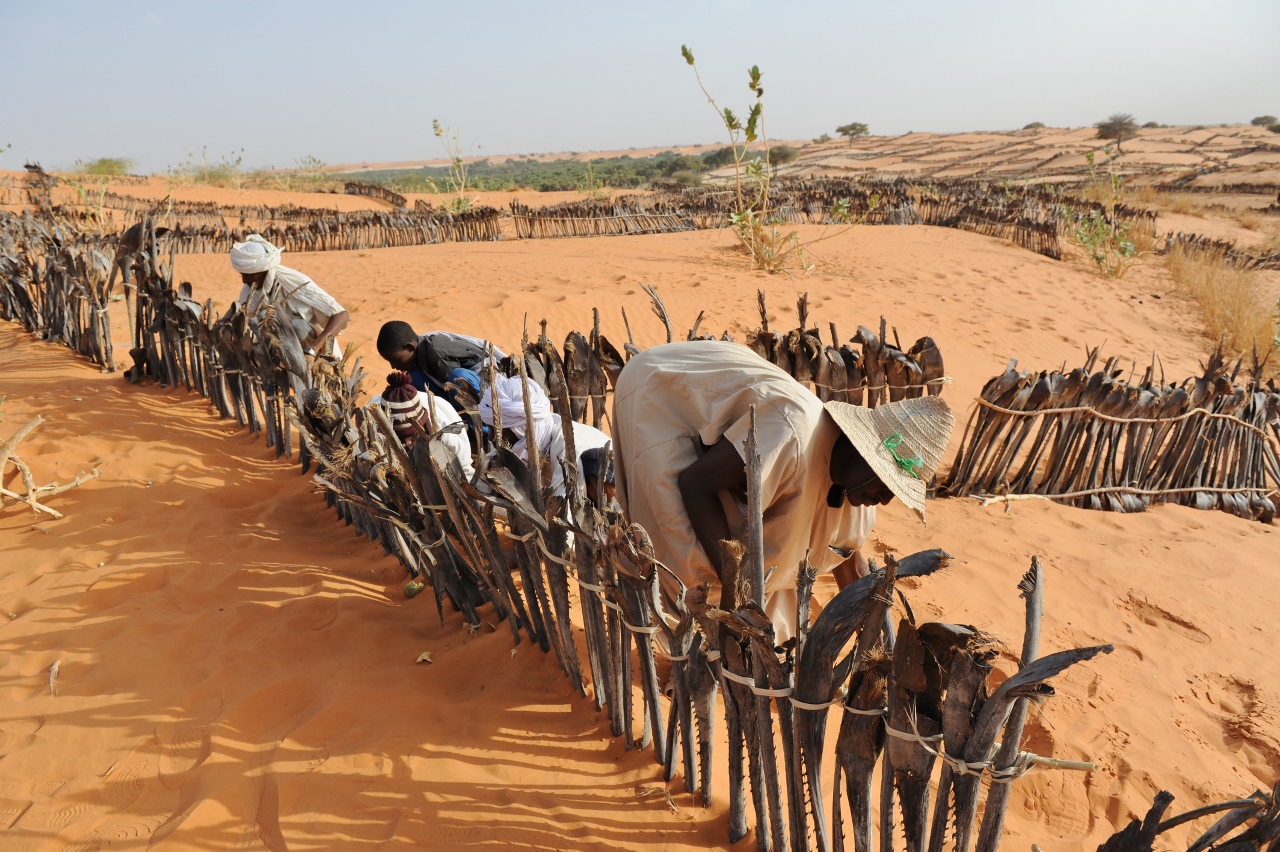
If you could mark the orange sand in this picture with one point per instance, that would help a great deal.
(237, 668)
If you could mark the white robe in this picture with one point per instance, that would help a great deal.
(309, 307)
(671, 396)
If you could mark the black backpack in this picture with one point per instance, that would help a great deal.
(439, 355)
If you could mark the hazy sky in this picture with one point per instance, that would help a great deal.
(360, 82)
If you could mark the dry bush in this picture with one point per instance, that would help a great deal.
(1250, 218)
(1184, 204)
(1146, 242)
(1145, 196)
(1230, 299)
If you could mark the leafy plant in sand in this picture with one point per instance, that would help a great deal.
(91, 193)
(593, 185)
(458, 167)
(1107, 240)
(226, 172)
(753, 223)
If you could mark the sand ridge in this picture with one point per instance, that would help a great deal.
(239, 671)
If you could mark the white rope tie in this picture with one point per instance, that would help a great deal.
(763, 692)
(542, 545)
(914, 737)
(1023, 763)
(804, 705)
(875, 711)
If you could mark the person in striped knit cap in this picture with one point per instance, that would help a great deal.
(407, 406)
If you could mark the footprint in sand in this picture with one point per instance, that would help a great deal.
(125, 783)
(64, 817)
(48, 787)
(1244, 716)
(1157, 616)
(186, 746)
(11, 810)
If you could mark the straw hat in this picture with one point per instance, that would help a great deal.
(902, 441)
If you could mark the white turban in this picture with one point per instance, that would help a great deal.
(254, 255)
(510, 394)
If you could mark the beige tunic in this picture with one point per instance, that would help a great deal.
(670, 397)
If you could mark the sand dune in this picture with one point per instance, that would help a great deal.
(1205, 156)
(237, 668)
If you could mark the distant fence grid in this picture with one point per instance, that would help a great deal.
(631, 214)
(375, 190)
(1208, 248)
(1091, 440)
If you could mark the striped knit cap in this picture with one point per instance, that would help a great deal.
(404, 403)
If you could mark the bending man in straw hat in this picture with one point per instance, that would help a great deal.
(313, 313)
(681, 415)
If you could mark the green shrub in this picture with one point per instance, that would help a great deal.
(1035, 125)
(853, 130)
(1107, 241)
(105, 166)
(622, 172)
(823, 138)
(718, 158)
(780, 155)
(686, 177)
(1118, 126)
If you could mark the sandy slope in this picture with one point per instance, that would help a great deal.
(237, 668)
(1207, 156)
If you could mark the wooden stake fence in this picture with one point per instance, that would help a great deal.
(1089, 439)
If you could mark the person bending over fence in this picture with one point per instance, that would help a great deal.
(316, 316)
(408, 408)
(680, 419)
(547, 428)
(437, 359)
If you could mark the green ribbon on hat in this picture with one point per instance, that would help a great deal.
(891, 444)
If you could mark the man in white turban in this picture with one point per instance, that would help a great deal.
(314, 314)
(547, 429)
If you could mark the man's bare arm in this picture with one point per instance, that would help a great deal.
(336, 323)
(853, 568)
(719, 469)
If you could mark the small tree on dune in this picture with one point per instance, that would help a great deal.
(780, 155)
(1264, 121)
(853, 130)
(1119, 126)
